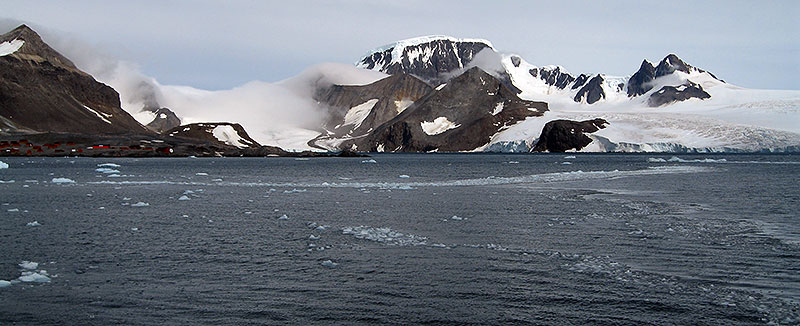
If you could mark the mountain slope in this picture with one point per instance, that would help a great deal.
(41, 90)
(460, 116)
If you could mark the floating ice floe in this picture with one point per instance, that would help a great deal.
(708, 160)
(403, 176)
(656, 160)
(456, 218)
(62, 180)
(3, 165)
(28, 264)
(294, 191)
(566, 163)
(34, 223)
(329, 263)
(140, 204)
(569, 157)
(108, 165)
(513, 162)
(4, 283)
(385, 235)
(106, 170)
(369, 161)
(184, 197)
(201, 173)
(313, 237)
(134, 229)
(36, 277)
(14, 210)
(283, 217)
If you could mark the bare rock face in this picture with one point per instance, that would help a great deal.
(592, 91)
(553, 76)
(460, 116)
(42, 91)
(672, 94)
(165, 120)
(563, 135)
(639, 83)
(354, 111)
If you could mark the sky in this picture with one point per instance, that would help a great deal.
(218, 45)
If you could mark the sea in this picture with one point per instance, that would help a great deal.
(402, 239)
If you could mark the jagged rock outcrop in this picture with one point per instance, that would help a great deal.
(165, 120)
(671, 94)
(354, 111)
(641, 81)
(461, 116)
(553, 76)
(592, 91)
(41, 90)
(564, 135)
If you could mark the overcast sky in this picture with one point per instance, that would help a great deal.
(222, 44)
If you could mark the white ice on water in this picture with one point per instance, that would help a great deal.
(62, 180)
(108, 165)
(28, 264)
(106, 170)
(385, 235)
(3, 165)
(34, 223)
(329, 263)
(369, 161)
(184, 197)
(140, 204)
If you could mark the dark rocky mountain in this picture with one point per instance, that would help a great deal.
(592, 91)
(564, 135)
(640, 81)
(165, 120)
(427, 57)
(553, 76)
(41, 90)
(461, 116)
(356, 110)
(671, 94)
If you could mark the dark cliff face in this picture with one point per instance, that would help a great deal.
(469, 110)
(639, 83)
(592, 91)
(390, 96)
(41, 90)
(671, 94)
(564, 135)
(443, 56)
(165, 120)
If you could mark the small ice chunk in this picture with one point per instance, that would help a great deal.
(140, 204)
(184, 197)
(134, 229)
(4, 283)
(108, 165)
(369, 161)
(3, 165)
(569, 157)
(513, 162)
(106, 170)
(566, 163)
(457, 218)
(656, 160)
(34, 223)
(28, 264)
(313, 237)
(404, 176)
(14, 210)
(201, 173)
(329, 263)
(283, 217)
(62, 180)
(34, 277)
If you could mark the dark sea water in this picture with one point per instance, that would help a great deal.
(410, 239)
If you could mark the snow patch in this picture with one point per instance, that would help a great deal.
(228, 135)
(498, 108)
(100, 115)
(437, 126)
(357, 114)
(10, 47)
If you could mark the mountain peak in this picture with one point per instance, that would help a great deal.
(35, 49)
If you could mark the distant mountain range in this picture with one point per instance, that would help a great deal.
(441, 94)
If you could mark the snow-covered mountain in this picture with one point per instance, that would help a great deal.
(669, 106)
